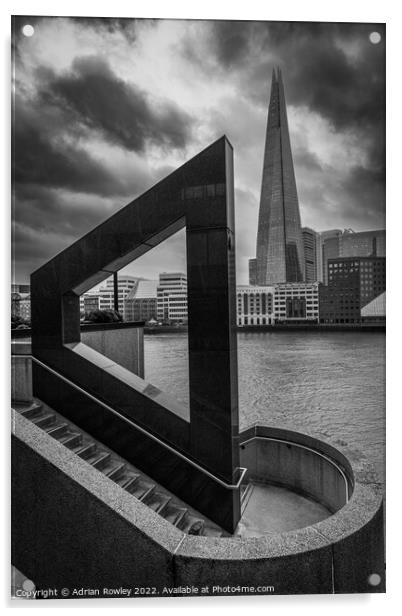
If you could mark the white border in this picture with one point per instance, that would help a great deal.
(306, 10)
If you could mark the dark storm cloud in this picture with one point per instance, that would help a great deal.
(219, 45)
(66, 210)
(349, 94)
(355, 200)
(41, 156)
(32, 248)
(366, 193)
(318, 71)
(332, 70)
(231, 41)
(61, 191)
(120, 111)
(64, 186)
(37, 245)
(306, 160)
(112, 25)
(41, 208)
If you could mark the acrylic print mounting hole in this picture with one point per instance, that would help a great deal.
(28, 30)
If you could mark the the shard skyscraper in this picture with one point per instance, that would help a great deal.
(280, 254)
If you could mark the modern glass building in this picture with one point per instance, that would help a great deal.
(141, 303)
(252, 271)
(353, 282)
(172, 297)
(280, 254)
(312, 255)
(348, 243)
(105, 294)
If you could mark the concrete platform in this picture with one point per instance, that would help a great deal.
(269, 509)
(75, 514)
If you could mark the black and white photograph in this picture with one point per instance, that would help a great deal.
(198, 307)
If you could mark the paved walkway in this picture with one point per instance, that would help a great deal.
(271, 509)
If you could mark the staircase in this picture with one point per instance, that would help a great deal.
(120, 471)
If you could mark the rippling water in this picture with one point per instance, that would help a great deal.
(328, 382)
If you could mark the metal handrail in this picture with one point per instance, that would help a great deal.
(229, 486)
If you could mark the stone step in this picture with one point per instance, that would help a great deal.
(142, 489)
(57, 431)
(119, 471)
(100, 460)
(116, 471)
(32, 410)
(127, 483)
(42, 421)
(87, 450)
(158, 501)
(71, 439)
(174, 514)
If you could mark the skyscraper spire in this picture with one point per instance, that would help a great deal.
(280, 256)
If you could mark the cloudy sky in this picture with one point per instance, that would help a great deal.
(104, 108)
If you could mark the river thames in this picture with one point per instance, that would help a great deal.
(331, 383)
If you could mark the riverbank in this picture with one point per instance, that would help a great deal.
(311, 327)
(286, 327)
(172, 329)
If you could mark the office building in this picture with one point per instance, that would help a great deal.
(91, 303)
(21, 305)
(353, 282)
(312, 255)
(172, 297)
(276, 304)
(280, 254)
(141, 302)
(363, 243)
(105, 295)
(330, 249)
(20, 288)
(296, 303)
(348, 243)
(255, 305)
(252, 271)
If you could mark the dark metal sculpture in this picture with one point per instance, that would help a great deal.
(200, 197)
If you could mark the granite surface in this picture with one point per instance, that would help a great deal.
(57, 498)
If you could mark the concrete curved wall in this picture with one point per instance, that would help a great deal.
(55, 489)
(296, 461)
(337, 555)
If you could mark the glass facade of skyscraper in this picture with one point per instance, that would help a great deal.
(353, 282)
(280, 254)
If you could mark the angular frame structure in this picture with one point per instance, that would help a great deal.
(200, 197)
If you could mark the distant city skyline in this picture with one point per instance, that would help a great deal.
(81, 154)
